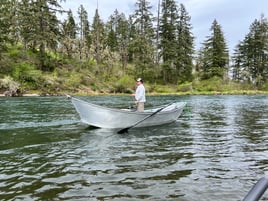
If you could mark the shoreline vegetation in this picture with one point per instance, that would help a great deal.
(46, 56)
(104, 58)
(85, 93)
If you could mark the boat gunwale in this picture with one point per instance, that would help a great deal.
(132, 112)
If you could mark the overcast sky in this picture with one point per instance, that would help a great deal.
(234, 16)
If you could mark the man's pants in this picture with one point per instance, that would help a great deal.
(140, 106)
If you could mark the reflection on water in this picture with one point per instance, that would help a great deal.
(216, 151)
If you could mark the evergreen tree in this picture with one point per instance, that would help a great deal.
(84, 40)
(123, 40)
(176, 43)
(215, 57)
(250, 60)
(237, 60)
(168, 38)
(143, 49)
(256, 43)
(131, 35)
(98, 37)
(185, 47)
(87, 38)
(25, 29)
(69, 32)
(118, 38)
(5, 8)
(39, 27)
(112, 31)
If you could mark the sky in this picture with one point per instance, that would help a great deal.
(234, 16)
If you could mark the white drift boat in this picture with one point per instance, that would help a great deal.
(104, 117)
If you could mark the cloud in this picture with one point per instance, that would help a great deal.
(234, 16)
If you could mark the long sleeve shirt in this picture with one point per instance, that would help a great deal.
(140, 93)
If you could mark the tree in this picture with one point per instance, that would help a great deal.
(168, 38)
(142, 44)
(176, 43)
(238, 61)
(112, 31)
(250, 61)
(118, 38)
(69, 32)
(256, 43)
(98, 37)
(214, 54)
(184, 46)
(39, 27)
(84, 40)
(5, 25)
(123, 40)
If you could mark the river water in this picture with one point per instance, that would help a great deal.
(217, 150)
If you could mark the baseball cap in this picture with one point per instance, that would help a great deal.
(139, 80)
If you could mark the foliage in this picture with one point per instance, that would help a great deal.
(185, 87)
(8, 83)
(25, 72)
(214, 84)
(176, 43)
(164, 89)
(250, 61)
(39, 27)
(185, 47)
(39, 52)
(213, 58)
(142, 41)
(74, 79)
(124, 84)
(5, 28)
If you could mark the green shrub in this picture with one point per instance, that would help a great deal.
(14, 53)
(74, 80)
(25, 72)
(185, 87)
(213, 84)
(265, 87)
(124, 84)
(8, 83)
(166, 89)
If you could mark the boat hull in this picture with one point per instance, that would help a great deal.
(103, 117)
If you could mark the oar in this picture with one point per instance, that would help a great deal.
(125, 130)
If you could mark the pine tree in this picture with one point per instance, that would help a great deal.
(98, 37)
(118, 38)
(250, 61)
(185, 47)
(112, 31)
(168, 38)
(84, 40)
(257, 44)
(215, 57)
(39, 27)
(143, 41)
(5, 8)
(123, 40)
(237, 63)
(69, 32)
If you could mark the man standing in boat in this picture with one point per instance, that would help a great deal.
(140, 95)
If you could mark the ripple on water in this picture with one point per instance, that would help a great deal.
(217, 152)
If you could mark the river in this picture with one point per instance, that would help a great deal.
(217, 150)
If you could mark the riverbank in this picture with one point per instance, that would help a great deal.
(85, 93)
(23, 95)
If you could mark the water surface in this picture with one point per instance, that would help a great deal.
(217, 150)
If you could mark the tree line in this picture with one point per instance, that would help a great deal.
(158, 48)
